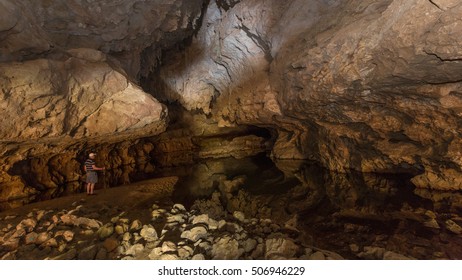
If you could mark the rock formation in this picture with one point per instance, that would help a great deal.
(373, 87)
(68, 74)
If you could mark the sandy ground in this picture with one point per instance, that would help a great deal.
(130, 198)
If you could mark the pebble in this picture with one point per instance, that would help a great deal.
(42, 237)
(135, 249)
(168, 246)
(50, 243)
(183, 254)
(101, 255)
(225, 248)
(430, 214)
(155, 254)
(372, 253)
(354, 248)
(66, 234)
(231, 242)
(198, 257)
(136, 225)
(176, 219)
(31, 238)
(250, 245)
(317, 256)
(453, 227)
(157, 215)
(88, 253)
(110, 244)
(169, 257)
(121, 229)
(179, 207)
(239, 216)
(69, 255)
(148, 233)
(124, 221)
(432, 224)
(105, 231)
(280, 248)
(127, 236)
(221, 224)
(195, 233)
(201, 219)
(27, 224)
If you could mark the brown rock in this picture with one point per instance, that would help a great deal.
(110, 244)
(42, 237)
(102, 254)
(50, 243)
(27, 224)
(31, 238)
(280, 248)
(88, 253)
(66, 234)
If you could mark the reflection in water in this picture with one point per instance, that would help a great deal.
(347, 213)
(355, 214)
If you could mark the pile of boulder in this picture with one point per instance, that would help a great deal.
(173, 233)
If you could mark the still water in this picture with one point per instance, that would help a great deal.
(354, 214)
(348, 213)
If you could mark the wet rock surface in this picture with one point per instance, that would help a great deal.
(175, 240)
(332, 225)
(374, 87)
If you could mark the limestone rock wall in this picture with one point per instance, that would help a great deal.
(372, 86)
(80, 96)
(124, 29)
(55, 111)
(69, 84)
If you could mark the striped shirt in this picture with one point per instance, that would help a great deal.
(89, 163)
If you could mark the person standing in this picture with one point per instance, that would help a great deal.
(92, 176)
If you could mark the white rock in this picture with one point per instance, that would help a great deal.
(239, 216)
(179, 207)
(148, 233)
(169, 257)
(157, 214)
(317, 256)
(178, 218)
(226, 248)
(201, 219)
(198, 257)
(432, 224)
(135, 249)
(280, 248)
(127, 236)
(372, 253)
(136, 225)
(195, 233)
(183, 254)
(168, 247)
(27, 224)
(453, 227)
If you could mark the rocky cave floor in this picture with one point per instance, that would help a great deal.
(141, 221)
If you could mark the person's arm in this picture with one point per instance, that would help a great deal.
(97, 168)
(85, 168)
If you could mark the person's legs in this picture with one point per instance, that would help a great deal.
(88, 188)
(92, 186)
